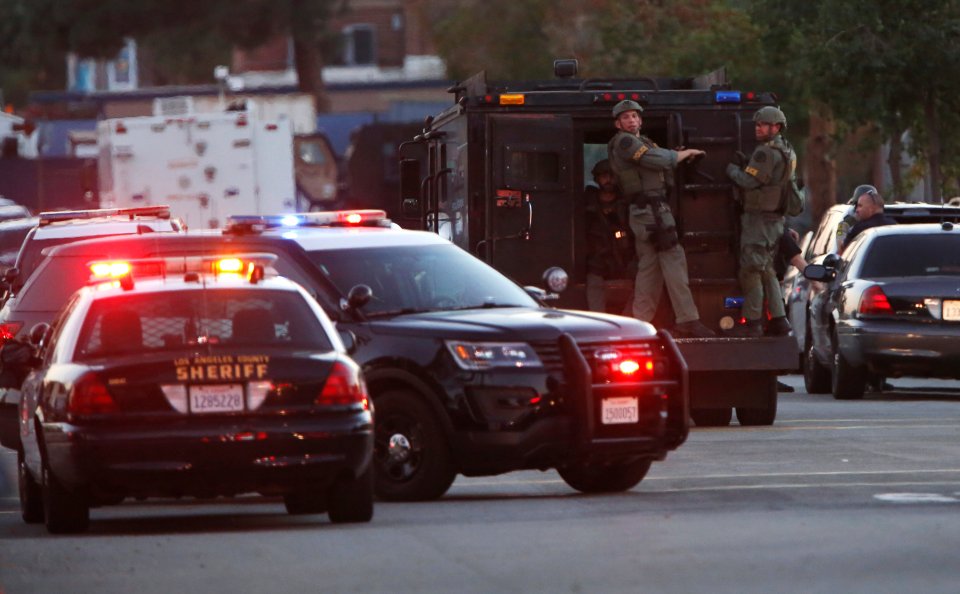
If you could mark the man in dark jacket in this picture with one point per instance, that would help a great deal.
(869, 213)
(609, 239)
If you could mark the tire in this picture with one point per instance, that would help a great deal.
(412, 461)
(611, 478)
(765, 414)
(816, 377)
(711, 417)
(351, 501)
(31, 494)
(309, 501)
(849, 382)
(66, 512)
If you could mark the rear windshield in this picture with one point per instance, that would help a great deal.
(183, 319)
(913, 255)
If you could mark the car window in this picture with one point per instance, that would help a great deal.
(825, 241)
(174, 320)
(420, 278)
(913, 255)
(55, 281)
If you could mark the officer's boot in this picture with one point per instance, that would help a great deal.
(692, 329)
(778, 327)
(752, 329)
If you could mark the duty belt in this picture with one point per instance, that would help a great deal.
(643, 200)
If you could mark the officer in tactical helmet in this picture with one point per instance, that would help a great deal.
(763, 183)
(609, 239)
(643, 170)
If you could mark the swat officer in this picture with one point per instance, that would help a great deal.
(609, 239)
(642, 169)
(763, 183)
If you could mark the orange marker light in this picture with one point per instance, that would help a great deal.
(229, 265)
(110, 269)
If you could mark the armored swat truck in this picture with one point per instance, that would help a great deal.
(502, 173)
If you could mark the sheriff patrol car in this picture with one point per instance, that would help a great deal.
(192, 376)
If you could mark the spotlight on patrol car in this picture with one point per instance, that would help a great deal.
(556, 279)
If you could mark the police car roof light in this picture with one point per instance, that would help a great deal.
(329, 218)
(253, 265)
(727, 96)
(59, 216)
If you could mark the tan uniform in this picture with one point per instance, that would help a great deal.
(643, 169)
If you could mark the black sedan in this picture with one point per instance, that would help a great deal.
(190, 385)
(889, 306)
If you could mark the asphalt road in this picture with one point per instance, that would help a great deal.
(835, 497)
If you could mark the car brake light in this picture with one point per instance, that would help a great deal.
(9, 330)
(89, 396)
(874, 302)
(344, 386)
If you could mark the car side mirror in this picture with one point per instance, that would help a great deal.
(831, 260)
(349, 341)
(16, 361)
(819, 272)
(358, 296)
(38, 334)
(10, 274)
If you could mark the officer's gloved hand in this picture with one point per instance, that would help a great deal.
(741, 158)
(732, 170)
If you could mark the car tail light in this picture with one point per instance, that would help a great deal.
(89, 396)
(344, 386)
(9, 330)
(874, 302)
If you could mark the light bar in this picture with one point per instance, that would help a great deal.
(727, 96)
(59, 216)
(215, 264)
(330, 218)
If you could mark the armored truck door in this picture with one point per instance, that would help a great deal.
(531, 197)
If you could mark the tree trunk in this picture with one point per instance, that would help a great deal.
(933, 148)
(309, 64)
(820, 170)
(895, 162)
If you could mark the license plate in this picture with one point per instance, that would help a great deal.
(617, 411)
(951, 310)
(216, 398)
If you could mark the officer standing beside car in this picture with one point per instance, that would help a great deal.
(763, 182)
(642, 169)
(609, 239)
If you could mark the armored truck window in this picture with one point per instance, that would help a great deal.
(532, 168)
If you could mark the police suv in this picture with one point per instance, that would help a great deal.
(190, 376)
(470, 373)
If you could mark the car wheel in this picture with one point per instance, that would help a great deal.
(766, 413)
(66, 512)
(412, 461)
(305, 501)
(711, 417)
(849, 382)
(31, 495)
(610, 478)
(352, 500)
(816, 376)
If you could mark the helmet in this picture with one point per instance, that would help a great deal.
(602, 166)
(626, 105)
(770, 115)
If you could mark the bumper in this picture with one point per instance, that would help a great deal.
(209, 458)
(576, 431)
(896, 349)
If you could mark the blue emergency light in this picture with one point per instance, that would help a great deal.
(727, 96)
(733, 303)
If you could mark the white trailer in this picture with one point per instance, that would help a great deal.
(205, 166)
